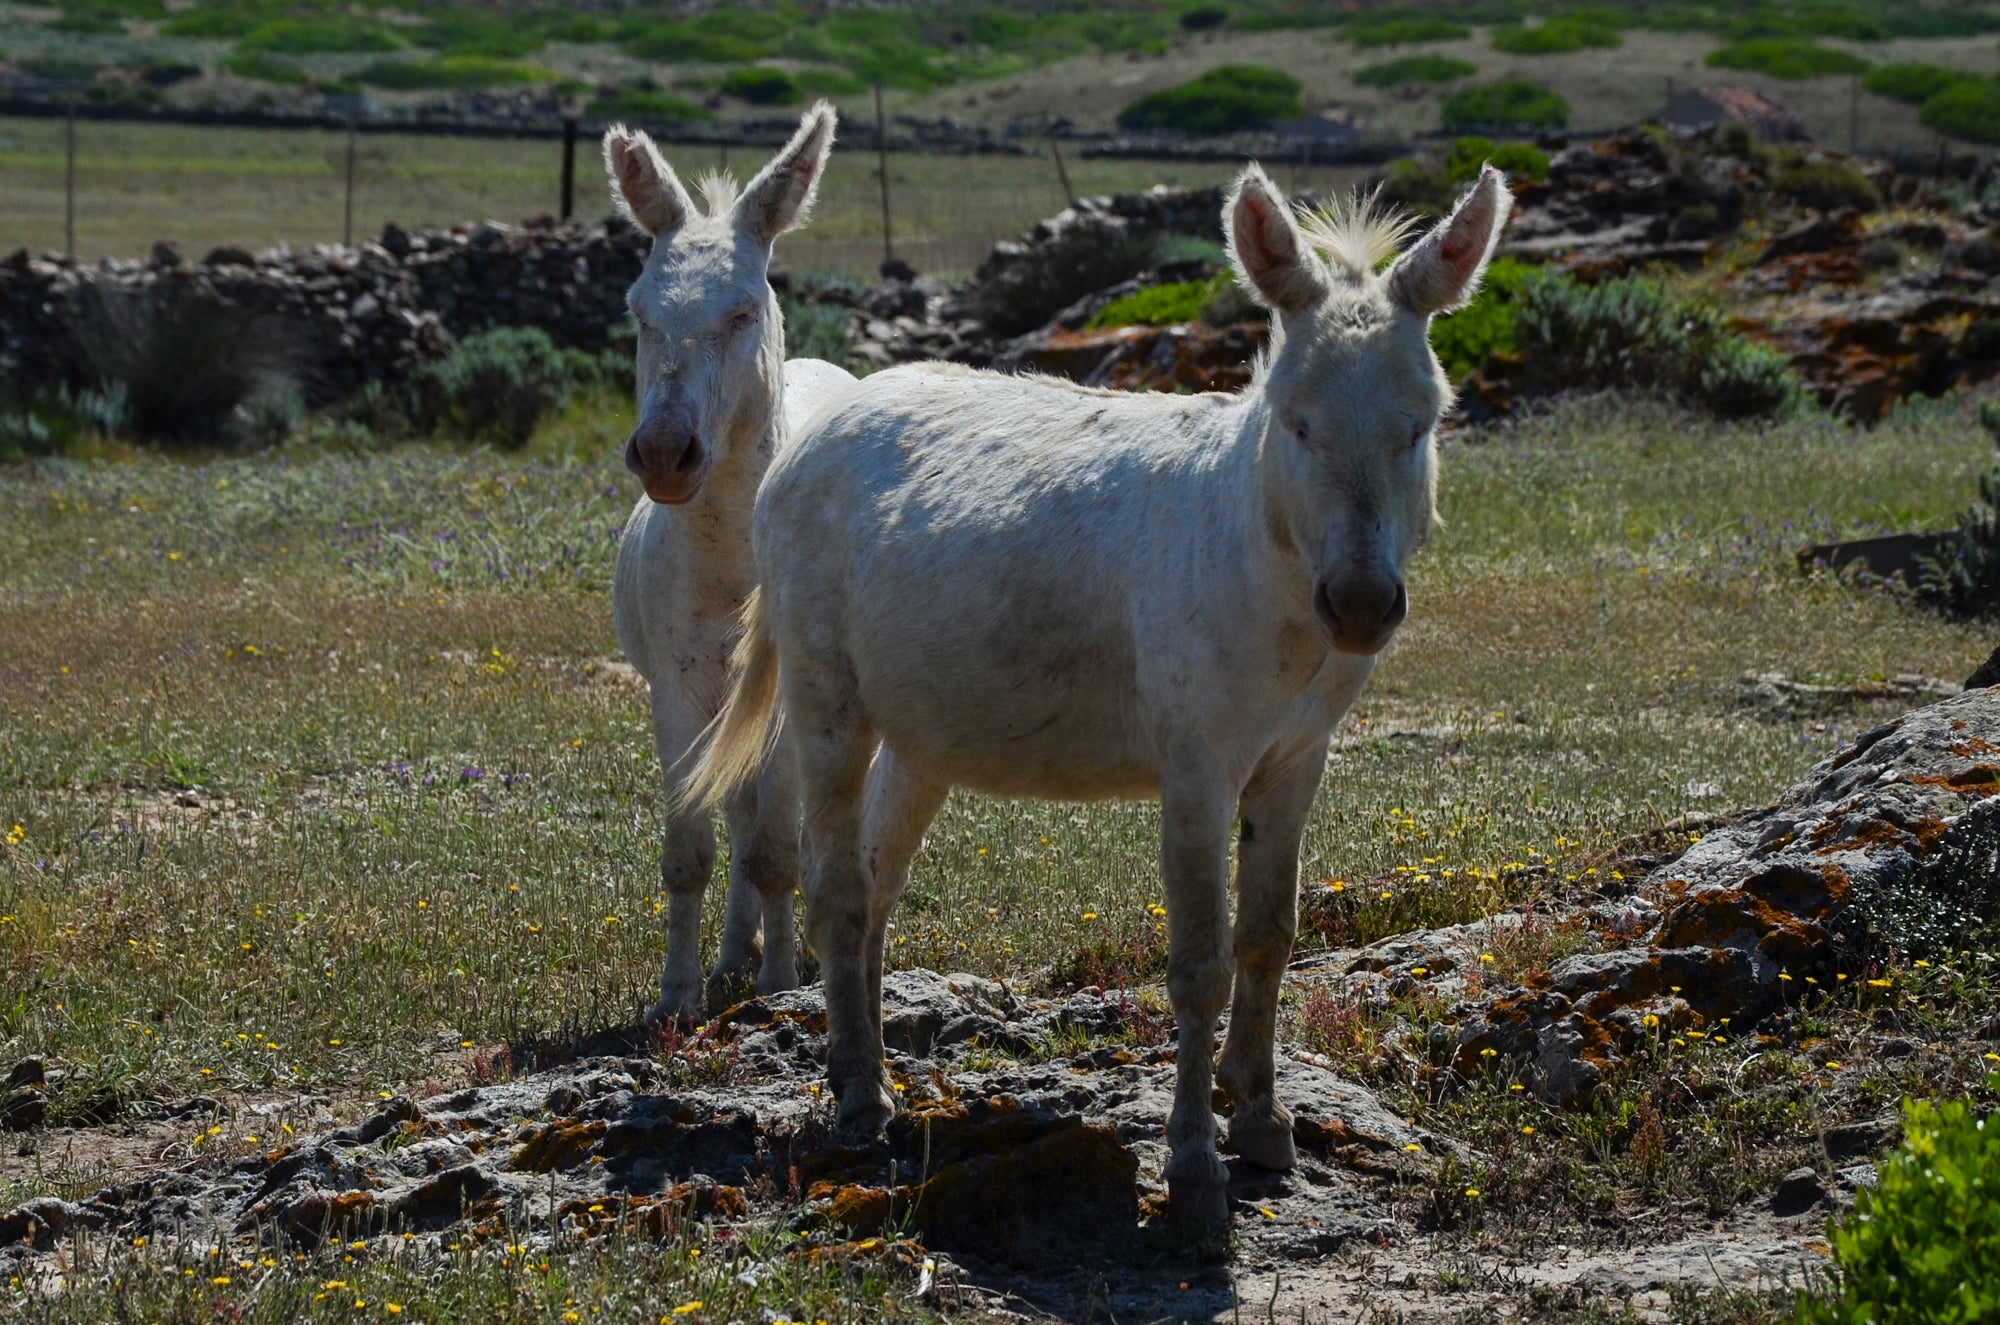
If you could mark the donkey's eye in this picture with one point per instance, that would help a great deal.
(1292, 424)
(1417, 435)
(740, 320)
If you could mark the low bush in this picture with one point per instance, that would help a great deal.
(54, 420)
(1825, 184)
(1967, 109)
(1912, 1249)
(1403, 30)
(1225, 99)
(763, 86)
(1204, 18)
(496, 386)
(190, 368)
(330, 33)
(1912, 83)
(476, 32)
(1091, 254)
(816, 331)
(1557, 36)
(828, 82)
(89, 21)
(1519, 160)
(60, 68)
(1628, 334)
(1161, 305)
(1790, 58)
(216, 22)
(645, 101)
(451, 71)
(1415, 69)
(265, 68)
(1509, 103)
(1466, 339)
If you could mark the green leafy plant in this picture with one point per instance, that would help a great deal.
(316, 33)
(643, 100)
(1466, 339)
(816, 331)
(265, 68)
(1521, 160)
(1509, 102)
(1161, 305)
(1912, 82)
(1967, 109)
(1919, 1248)
(1558, 36)
(1790, 58)
(1826, 183)
(1404, 29)
(1225, 99)
(53, 420)
(190, 368)
(497, 385)
(763, 86)
(1414, 69)
(1629, 334)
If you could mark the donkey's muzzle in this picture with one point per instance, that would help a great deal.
(670, 463)
(1360, 612)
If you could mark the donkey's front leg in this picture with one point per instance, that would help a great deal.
(686, 861)
(763, 878)
(1272, 815)
(1194, 857)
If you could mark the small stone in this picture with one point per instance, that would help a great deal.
(1797, 1192)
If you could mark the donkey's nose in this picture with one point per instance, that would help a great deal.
(1360, 612)
(668, 462)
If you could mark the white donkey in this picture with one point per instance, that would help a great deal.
(1034, 589)
(715, 394)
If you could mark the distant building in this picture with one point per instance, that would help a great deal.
(1694, 107)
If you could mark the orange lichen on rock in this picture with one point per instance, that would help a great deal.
(555, 1146)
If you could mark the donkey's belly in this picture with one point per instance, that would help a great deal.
(1058, 720)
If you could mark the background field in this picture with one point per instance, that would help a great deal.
(324, 774)
(255, 187)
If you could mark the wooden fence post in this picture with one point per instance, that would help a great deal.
(69, 179)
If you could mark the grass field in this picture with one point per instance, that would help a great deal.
(319, 776)
(139, 182)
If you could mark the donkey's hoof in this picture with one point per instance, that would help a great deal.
(865, 1111)
(679, 1001)
(1198, 1188)
(1266, 1141)
(780, 979)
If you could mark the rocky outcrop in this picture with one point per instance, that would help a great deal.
(1890, 847)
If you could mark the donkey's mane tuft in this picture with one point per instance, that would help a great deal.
(1357, 232)
(719, 191)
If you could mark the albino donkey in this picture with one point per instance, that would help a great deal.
(711, 366)
(1034, 589)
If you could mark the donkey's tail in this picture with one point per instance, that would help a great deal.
(744, 732)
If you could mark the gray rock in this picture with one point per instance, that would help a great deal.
(1797, 1192)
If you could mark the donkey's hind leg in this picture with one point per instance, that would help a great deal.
(686, 861)
(1272, 815)
(834, 743)
(900, 806)
(763, 821)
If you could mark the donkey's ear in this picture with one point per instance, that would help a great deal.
(781, 195)
(642, 184)
(1442, 271)
(1271, 256)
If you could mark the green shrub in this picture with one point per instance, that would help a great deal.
(52, 421)
(189, 367)
(451, 71)
(761, 86)
(1912, 83)
(1225, 99)
(457, 31)
(1466, 339)
(645, 101)
(1404, 29)
(1628, 334)
(264, 68)
(1968, 109)
(825, 82)
(1921, 1246)
(329, 33)
(1557, 36)
(1204, 18)
(1159, 305)
(60, 68)
(1519, 160)
(1939, 21)
(1786, 57)
(217, 22)
(89, 20)
(1415, 69)
(1508, 103)
(497, 385)
(1826, 184)
(816, 331)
